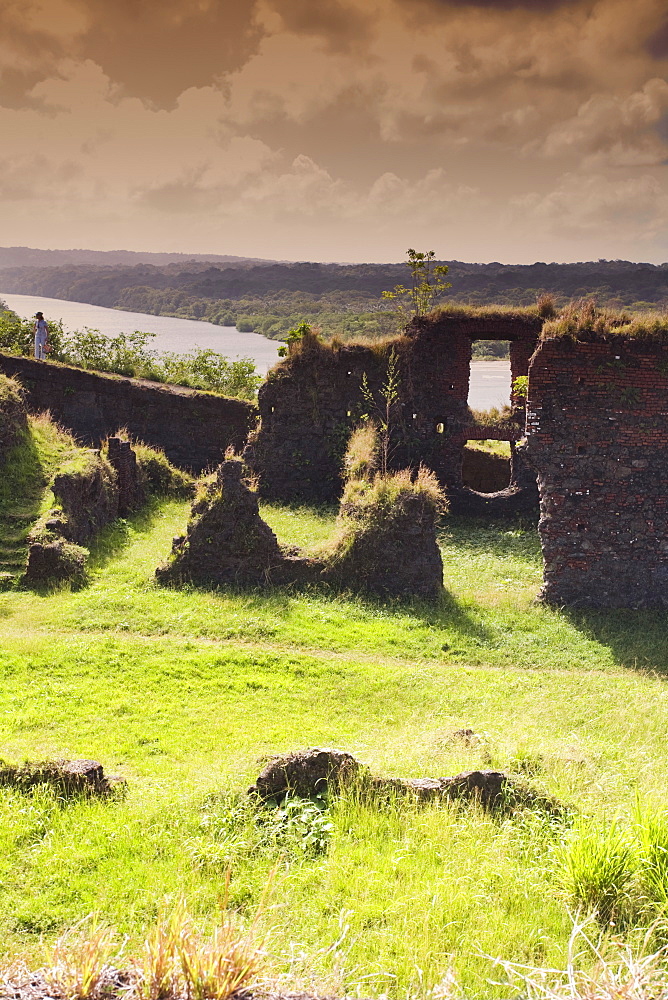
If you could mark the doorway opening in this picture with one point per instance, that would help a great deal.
(486, 466)
(489, 382)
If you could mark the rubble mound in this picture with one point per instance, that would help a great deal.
(52, 559)
(387, 536)
(68, 777)
(307, 774)
(310, 773)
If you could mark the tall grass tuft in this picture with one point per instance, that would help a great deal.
(584, 319)
(616, 972)
(651, 833)
(79, 959)
(362, 458)
(599, 865)
(178, 961)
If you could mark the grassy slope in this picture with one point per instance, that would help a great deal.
(183, 692)
(24, 492)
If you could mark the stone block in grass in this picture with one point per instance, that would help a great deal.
(67, 777)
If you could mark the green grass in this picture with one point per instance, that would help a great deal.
(491, 447)
(24, 485)
(184, 693)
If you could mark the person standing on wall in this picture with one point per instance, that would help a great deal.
(41, 337)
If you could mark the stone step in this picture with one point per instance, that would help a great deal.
(11, 534)
(13, 553)
(13, 564)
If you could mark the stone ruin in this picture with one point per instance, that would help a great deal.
(597, 435)
(593, 434)
(90, 492)
(228, 544)
(311, 402)
(323, 773)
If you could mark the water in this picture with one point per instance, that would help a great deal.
(180, 335)
(490, 380)
(490, 384)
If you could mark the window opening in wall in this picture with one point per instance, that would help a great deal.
(486, 466)
(489, 384)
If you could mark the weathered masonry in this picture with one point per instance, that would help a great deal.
(193, 428)
(597, 432)
(310, 403)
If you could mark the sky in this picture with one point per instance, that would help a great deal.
(337, 130)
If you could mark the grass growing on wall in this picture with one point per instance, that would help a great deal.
(185, 692)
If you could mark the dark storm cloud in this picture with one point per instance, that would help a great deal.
(342, 25)
(657, 43)
(154, 50)
(531, 5)
(158, 48)
(15, 87)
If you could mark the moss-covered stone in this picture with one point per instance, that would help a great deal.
(53, 560)
(13, 416)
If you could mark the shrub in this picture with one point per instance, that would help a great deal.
(160, 477)
(362, 456)
(128, 354)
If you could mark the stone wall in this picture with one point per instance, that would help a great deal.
(91, 491)
(193, 428)
(311, 402)
(597, 435)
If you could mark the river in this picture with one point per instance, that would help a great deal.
(171, 334)
(490, 380)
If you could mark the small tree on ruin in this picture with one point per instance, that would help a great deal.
(426, 285)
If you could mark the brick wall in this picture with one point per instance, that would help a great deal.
(193, 428)
(597, 429)
(311, 402)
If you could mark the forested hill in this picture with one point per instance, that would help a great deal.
(11, 257)
(271, 297)
(622, 281)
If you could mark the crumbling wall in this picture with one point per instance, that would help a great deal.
(311, 402)
(129, 484)
(91, 491)
(86, 490)
(194, 429)
(386, 541)
(597, 436)
(228, 544)
(13, 417)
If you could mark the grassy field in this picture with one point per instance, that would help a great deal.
(186, 693)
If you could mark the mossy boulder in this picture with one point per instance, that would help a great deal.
(53, 560)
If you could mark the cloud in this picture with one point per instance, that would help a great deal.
(626, 130)
(532, 5)
(657, 43)
(154, 50)
(594, 204)
(357, 125)
(342, 26)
